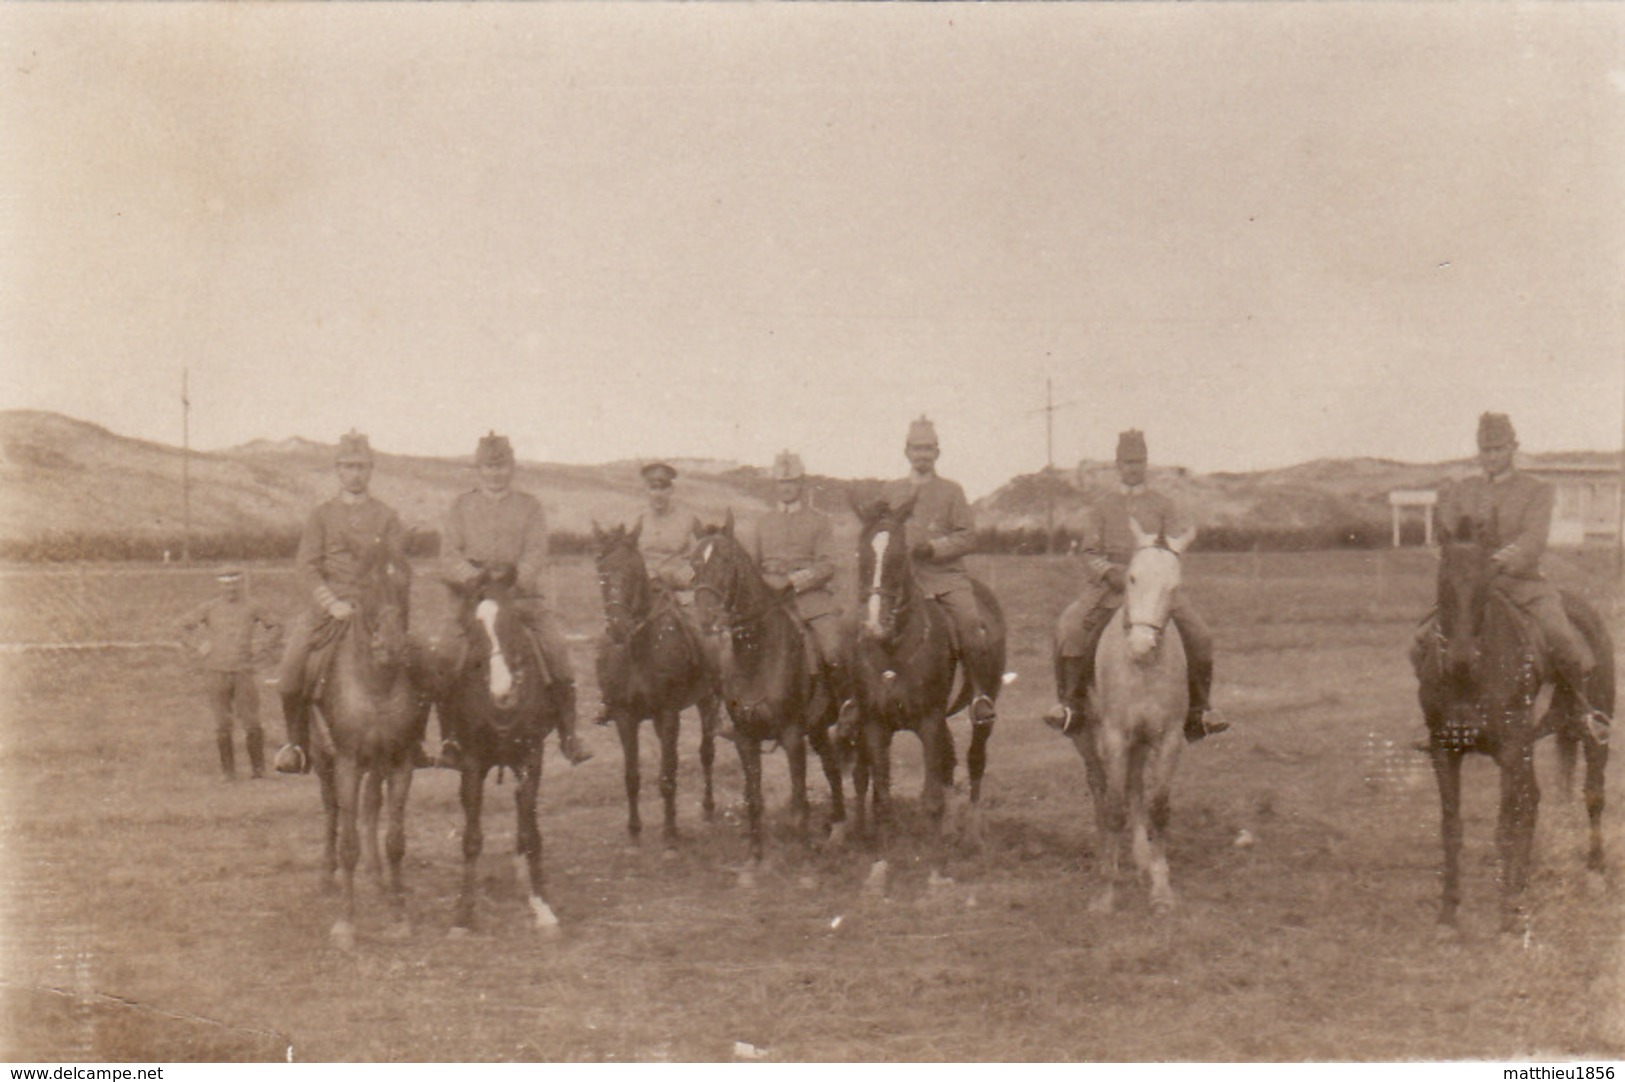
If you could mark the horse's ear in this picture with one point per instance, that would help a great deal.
(1141, 538)
(852, 502)
(901, 513)
(1178, 543)
(635, 532)
(728, 523)
(598, 534)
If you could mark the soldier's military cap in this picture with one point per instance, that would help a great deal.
(353, 447)
(659, 474)
(1495, 430)
(922, 431)
(1131, 446)
(494, 450)
(787, 467)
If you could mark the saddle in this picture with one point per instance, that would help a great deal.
(1431, 639)
(324, 641)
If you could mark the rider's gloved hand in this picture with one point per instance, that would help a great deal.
(801, 579)
(922, 550)
(1505, 556)
(1115, 577)
(341, 610)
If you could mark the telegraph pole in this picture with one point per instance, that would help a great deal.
(1048, 411)
(186, 472)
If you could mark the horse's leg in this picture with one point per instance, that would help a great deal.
(1113, 810)
(860, 785)
(1447, 772)
(347, 782)
(709, 708)
(372, 800)
(666, 727)
(877, 741)
(795, 750)
(330, 826)
(1157, 791)
(934, 735)
(529, 837)
(830, 760)
(627, 729)
(471, 792)
(750, 759)
(1515, 832)
(976, 766)
(400, 785)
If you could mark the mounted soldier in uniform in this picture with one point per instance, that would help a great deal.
(940, 532)
(496, 528)
(1511, 513)
(1106, 547)
(346, 534)
(794, 546)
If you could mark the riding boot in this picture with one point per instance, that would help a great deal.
(1200, 719)
(565, 699)
(228, 758)
(256, 752)
(1067, 714)
(292, 757)
(1574, 676)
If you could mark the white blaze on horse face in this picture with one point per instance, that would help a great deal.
(501, 675)
(878, 544)
(1153, 574)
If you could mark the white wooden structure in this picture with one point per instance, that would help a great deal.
(1402, 500)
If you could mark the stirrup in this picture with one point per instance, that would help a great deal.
(291, 759)
(450, 756)
(606, 716)
(1063, 719)
(570, 747)
(1599, 725)
(981, 711)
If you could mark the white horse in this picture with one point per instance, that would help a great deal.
(1135, 716)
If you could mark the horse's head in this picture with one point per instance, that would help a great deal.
(623, 579)
(1465, 572)
(501, 648)
(1148, 594)
(720, 564)
(885, 572)
(385, 586)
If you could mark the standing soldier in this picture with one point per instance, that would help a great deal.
(344, 535)
(794, 546)
(227, 656)
(496, 525)
(1511, 512)
(939, 533)
(1106, 547)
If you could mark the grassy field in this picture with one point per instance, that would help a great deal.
(152, 913)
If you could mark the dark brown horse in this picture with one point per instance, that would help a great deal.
(650, 667)
(1480, 674)
(767, 677)
(500, 710)
(368, 716)
(904, 663)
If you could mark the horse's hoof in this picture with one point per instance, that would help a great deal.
(545, 920)
(747, 879)
(807, 882)
(877, 876)
(936, 880)
(459, 931)
(343, 936)
(669, 854)
(1164, 905)
(838, 834)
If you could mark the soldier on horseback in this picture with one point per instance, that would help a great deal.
(343, 536)
(1511, 512)
(940, 533)
(496, 527)
(794, 546)
(665, 530)
(1106, 548)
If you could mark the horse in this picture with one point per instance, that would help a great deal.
(500, 707)
(650, 666)
(1134, 716)
(767, 678)
(368, 716)
(1479, 675)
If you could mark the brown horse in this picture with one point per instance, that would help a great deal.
(1479, 675)
(368, 717)
(904, 662)
(650, 667)
(767, 677)
(500, 710)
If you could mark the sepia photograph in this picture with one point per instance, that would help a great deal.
(665, 533)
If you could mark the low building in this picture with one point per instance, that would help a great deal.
(1586, 510)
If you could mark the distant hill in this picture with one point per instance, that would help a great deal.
(60, 476)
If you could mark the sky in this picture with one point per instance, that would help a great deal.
(1264, 233)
